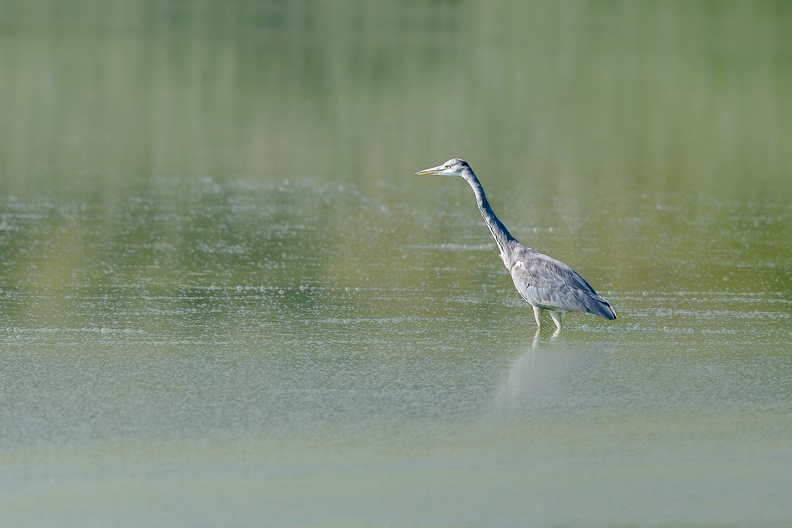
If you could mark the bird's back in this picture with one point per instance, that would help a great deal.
(548, 283)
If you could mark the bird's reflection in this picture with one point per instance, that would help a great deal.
(550, 373)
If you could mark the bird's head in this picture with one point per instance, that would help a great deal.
(452, 167)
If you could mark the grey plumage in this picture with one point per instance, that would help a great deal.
(544, 282)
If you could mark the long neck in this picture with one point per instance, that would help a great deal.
(499, 232)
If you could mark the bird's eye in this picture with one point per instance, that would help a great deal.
(448, 166)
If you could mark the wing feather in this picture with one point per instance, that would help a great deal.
(549, 283)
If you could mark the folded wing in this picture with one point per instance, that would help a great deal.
(550, 284)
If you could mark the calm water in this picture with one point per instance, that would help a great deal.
(225, 299)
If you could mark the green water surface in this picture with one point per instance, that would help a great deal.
(226, 299)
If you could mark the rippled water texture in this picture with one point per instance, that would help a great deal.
(225, 299)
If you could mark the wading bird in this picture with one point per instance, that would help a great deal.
(544, 282)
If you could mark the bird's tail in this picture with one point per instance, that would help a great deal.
(598, 306)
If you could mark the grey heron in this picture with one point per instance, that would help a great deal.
(544, 282)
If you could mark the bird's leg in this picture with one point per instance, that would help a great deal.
(557, 318)
(538, 316)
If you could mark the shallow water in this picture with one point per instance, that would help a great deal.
(226, 299)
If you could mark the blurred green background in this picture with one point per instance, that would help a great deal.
(560, 106)
(656, 94)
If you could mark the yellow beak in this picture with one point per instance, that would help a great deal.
(432, 171)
